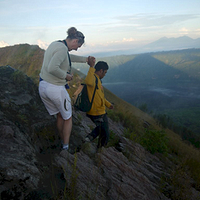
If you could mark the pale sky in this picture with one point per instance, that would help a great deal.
(108, 25)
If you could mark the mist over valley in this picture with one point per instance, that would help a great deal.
(175, 102)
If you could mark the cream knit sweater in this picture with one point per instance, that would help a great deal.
(56, 63)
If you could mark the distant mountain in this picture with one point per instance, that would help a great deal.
(144, 68)
(162, 44)
(165, 44)
(159, 66)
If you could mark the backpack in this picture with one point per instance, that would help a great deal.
(80, 98)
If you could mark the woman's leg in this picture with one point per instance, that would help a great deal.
(67, 128)
(60, 122)
(64, 128)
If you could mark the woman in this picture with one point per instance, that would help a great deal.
(55, 72)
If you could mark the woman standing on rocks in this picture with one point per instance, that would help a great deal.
(54, 74)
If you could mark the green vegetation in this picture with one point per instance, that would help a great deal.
(113, 139)
(154, 141)
(166, 122)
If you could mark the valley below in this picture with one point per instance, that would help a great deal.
(180, 101)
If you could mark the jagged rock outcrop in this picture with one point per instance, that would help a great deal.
(34, 167)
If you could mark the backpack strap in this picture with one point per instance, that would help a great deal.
(96, 87)
(70, 63)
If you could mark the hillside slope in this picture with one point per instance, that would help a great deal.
(33, 166)
(25, 57)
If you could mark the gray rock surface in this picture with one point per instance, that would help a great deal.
(32, 165)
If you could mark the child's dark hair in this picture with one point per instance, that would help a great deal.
(101, 65)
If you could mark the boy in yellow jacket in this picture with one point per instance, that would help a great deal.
(98, 110)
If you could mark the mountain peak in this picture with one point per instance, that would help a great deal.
(167, 44)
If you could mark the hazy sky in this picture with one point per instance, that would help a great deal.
(106, 24)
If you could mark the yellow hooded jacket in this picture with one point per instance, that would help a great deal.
(99, 103)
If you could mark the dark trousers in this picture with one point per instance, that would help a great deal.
(101, 129)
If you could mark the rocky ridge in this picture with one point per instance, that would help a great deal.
(33, 166)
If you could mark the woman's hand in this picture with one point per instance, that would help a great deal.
(91, 61)
(69, 77)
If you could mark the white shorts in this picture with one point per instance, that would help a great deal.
(56, 99)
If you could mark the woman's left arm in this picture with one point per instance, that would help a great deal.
(80, 59)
